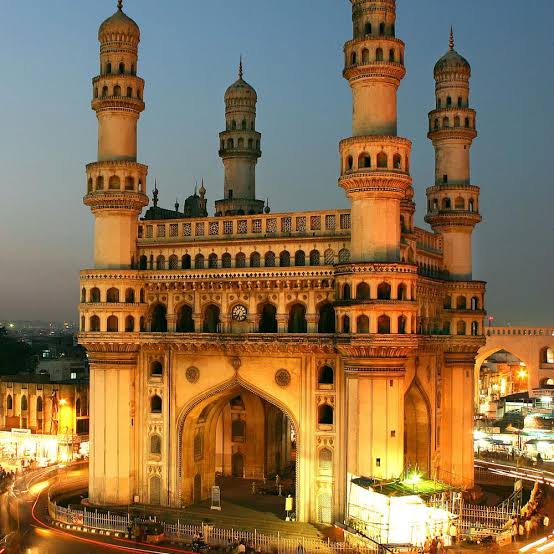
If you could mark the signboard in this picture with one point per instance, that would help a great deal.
(21, 431)
(216, 498)
(538, 393)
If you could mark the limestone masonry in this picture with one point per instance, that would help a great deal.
(318, 345)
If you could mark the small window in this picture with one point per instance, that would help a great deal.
(156, 369)
(326, 375)
(156, 404)
(155, 444)
(325, 414)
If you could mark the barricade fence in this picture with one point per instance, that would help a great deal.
(214, 536)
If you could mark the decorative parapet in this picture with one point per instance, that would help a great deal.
(520, 331)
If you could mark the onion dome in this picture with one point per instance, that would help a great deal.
(119, 24)
(240, 88)
(452, 62)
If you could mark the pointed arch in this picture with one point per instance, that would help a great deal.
(417, 428)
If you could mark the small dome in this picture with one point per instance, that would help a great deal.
(119, 23)
(240, 89)
(452, 61)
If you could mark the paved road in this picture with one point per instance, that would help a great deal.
(28, 511)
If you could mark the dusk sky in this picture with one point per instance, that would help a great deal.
(293, 57)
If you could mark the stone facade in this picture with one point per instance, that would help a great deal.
(340, 341)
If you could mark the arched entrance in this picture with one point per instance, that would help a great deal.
(238, 465)
(231, 438)
(417, 430)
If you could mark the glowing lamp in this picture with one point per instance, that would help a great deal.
(413, 479)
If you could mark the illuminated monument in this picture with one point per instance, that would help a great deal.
(317, 345)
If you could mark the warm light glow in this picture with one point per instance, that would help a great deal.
(546, 399)
(522, 373)
(532, 545)
(413, 479)
(63, 402)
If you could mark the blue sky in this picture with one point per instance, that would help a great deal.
(293, 57)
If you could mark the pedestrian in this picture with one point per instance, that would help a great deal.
(546, 521)
(299, 549)
(453, 532)
(433, 547)
(527, 526)
(241, 549)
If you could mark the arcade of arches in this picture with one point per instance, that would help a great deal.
(235, 434)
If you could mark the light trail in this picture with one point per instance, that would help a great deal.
(546, 546)
(533, 545)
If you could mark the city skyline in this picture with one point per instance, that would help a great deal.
(303, 112)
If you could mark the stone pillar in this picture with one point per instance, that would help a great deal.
(112, 445)
(171, 323)
(455, 435)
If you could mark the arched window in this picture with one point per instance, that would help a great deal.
(233, 125)
(117, 90)
(397, 161)
(130, 296)
(448, 102)
(142, 324)
(173, 262)
(349, 163)
(185, 321)
(353, 58)
(325, 461)
(467, 123)
(230, 143)
(9, 402)
(436, 125)
(379, 54)
(104, 91)
(383, 325)
(129, 324)
(122, 68)
(459, 203)
(112, 324)
(457, 121)
(108, 68)
(112, 296)
(345, 324)
(402, 292)
(114, 183)
(346, 292)
(156, 404)
(461, 303)
(243, 125)
(326, 322)
(461, 328)
(547, 356)
(446, 122)
(159, 319)
(446, 204)
(212, 261)
(240, 260)
(297, 319)
(211, 323)
(129, 92)
(238, 430)
(365, 55)
(344, 256)
(89, 185)
(384, 291)
(284, 259)
(447, 302)
(392, 55)
(94, 324)
(155, 444)
(160, 262)
(100, 183)
(78, 407)
(185, 262)
(367, 28)
(474, 328)
(475, 303)
(268, 319)
(24, 405)
(156, 369)
(39, 404)
(315, 257)
(226, 260)
(325, 414)
(329, 256)
(362, 325)
(299, 258)
(143, 262)
(362, 292)
(471, 205)
(255, 259)
(199, 261)
(402, 322)
(326, 375)
(382, 160)
(240, 144)
(269, 260)
(381, 28)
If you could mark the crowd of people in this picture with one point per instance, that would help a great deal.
(6, 479)
(531, 517)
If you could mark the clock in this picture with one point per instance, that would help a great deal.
(239, 313)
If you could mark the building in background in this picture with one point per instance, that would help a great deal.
(319, 345)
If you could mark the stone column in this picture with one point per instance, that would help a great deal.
(456, 432)
(112, 445)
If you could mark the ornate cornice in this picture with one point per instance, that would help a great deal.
(452, 133)
(117, 164)
(123, 200)
(381, 182)
(379, 139)
(376, 346)
(391, 72)
(436, 189)
(375, 267)
(453, 219)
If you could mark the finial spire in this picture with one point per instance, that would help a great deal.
(155, 194)
(451, 38)
(240, 68)
(176, 204)
(120, 5)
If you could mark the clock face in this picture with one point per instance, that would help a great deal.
(239, 313)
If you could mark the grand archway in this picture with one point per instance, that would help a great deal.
(232, 438)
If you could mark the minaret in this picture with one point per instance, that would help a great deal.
(375, 161)
(240, 150)
(116, 182)
(453, 203)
